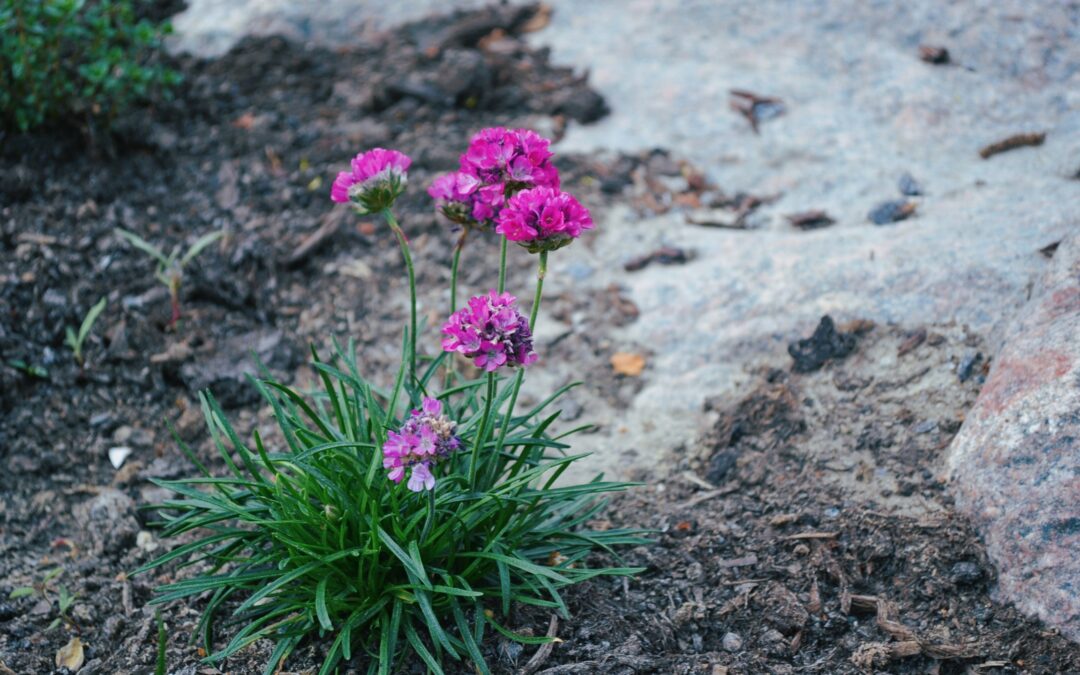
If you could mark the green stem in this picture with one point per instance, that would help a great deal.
(481, 432)
(403, 242)
(453, 299)
(502, 265)
(541, 272)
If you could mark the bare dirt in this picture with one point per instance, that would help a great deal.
(768, 558)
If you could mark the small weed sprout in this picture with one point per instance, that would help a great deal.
(76, 340)
(43, 589)
(170, 268)
(411, 522)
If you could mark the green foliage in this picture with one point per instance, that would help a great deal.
(75, 340)
(82, 58)
(307, 537)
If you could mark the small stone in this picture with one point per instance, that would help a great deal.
(926, 427)
(732, 642)
(145, 541)
(118, 454)
(891, 212)
(965, 572)
(909, 186)
(967, 365)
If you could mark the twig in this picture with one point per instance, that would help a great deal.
(1011, 143)
(544, 652)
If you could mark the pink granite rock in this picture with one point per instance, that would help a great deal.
(1015, 464)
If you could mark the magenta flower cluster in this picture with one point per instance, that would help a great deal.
(377, 178)
(491, 331)
(543, 219)
(425, 439)
(498, 163)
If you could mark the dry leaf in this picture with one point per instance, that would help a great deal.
(628, 363)
(539, 20)
(71, 655)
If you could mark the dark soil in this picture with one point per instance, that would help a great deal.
(250, 146)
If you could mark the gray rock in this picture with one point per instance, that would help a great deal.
(965, 572)
(732, 642)
(225, 368)
(1015, 461)
(107, 521)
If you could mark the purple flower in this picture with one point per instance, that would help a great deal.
(543, 219)
(499, 163)
(377, 178)
(491, 331)
(425, 439)
(454, 195)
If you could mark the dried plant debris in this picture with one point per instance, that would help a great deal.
(810, 220)
(891, 211)
(665, 255)
(755, 108)
(824, 345)
(1013, 142)
(934, 54)
(1049, 250)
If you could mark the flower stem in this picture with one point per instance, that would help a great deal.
(481, 432)
(404, 244)
(541, 272)
(502, 265)
(453, 298)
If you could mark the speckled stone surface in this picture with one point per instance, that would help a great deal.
(1016, 462)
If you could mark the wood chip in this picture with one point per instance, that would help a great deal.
(745, 561)
(1013, 142)
(628, 363)
(812, 535)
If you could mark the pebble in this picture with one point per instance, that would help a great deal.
(967, 365)
(965, 572)
(891, 212)
(909, 186)
(732, 642)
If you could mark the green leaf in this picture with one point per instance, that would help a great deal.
(200, 244)
(320, 605)
(21, 592)
(143, 245)
(91, 317)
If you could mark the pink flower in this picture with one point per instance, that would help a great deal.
(498, 163)
(543, 219)
(377, 178)
(425, 439)
(454, 195)
(491, 331)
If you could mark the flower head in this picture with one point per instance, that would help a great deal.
(543, 219)
(491, 331)
(377, 178)
(499, 163)
(425, 439)
(455, 195)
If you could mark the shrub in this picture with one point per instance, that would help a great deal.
(408, 520)
(87, 59)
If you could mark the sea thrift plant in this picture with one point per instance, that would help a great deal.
(543, 219)
(392, 526)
